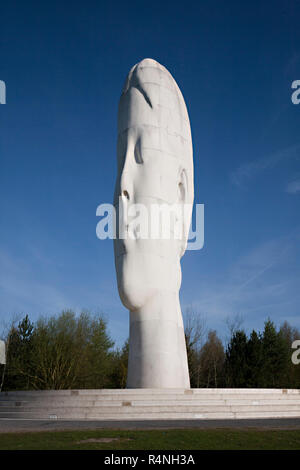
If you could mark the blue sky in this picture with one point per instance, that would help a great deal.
(64, 64)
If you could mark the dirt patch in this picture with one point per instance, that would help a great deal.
(103, 439)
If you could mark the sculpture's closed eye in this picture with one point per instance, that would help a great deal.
(137, 152)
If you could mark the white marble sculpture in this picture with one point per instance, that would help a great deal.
(155, 166)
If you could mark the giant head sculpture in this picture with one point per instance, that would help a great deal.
(155, 169)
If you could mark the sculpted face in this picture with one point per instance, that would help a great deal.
(154, 152)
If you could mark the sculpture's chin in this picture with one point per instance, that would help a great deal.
(141, 276)
(134, 295)
(135, 288)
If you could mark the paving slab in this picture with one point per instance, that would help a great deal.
(32, 425)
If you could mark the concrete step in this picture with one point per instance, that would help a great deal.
(150, 404)
(116, 416)
(142, 403)
(164, 392)
(153, 416)
(144, 398)
(149, 400)
(148, 409)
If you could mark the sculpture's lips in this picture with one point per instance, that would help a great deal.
(120, 248)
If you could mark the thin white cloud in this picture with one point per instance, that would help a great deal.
(293, 187)
(249, 170)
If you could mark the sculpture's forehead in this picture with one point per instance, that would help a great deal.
(152, 99)
(150, 71)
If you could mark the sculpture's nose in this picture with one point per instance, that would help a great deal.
(126, 186)
(125, 194)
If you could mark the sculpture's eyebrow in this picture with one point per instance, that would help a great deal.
(134, 81)
(144, 93)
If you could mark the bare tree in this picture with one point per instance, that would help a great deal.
(195, 332)
(233, 323)
(194, 327)
(212, 359)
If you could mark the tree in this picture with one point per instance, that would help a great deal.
(19, 355)
(99, 356)
(291, 374)
(254, 360)
(212, 358)
(118, 375)
(233, 324)
(274, 357)
(59, 353)
(236, 360)
(194, 330)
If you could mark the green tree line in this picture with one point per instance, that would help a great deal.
(76, 352)
(63, 352)
(260, 360)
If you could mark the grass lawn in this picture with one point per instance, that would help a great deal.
(173, 439)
